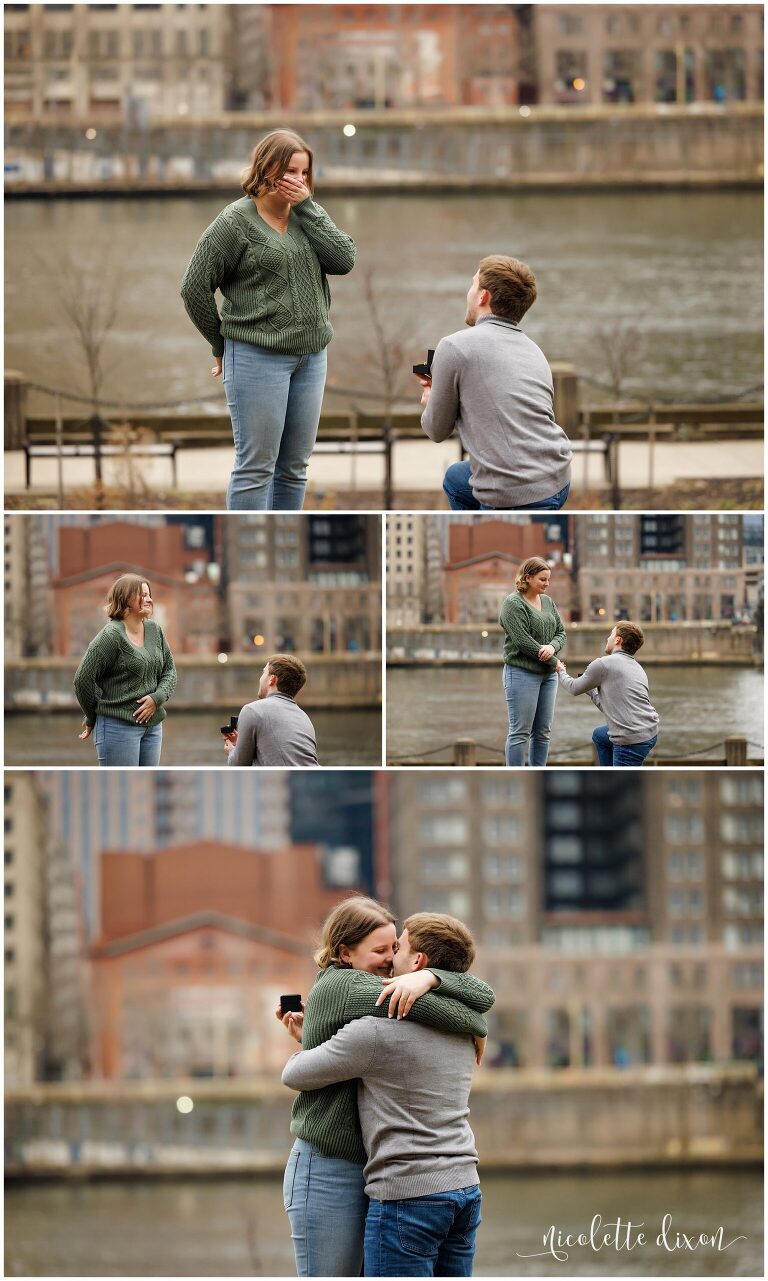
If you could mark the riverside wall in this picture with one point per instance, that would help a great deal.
(690, 1115)
(465, 149)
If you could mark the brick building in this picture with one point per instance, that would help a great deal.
(198, 942)
(91, 558)
(482, 562)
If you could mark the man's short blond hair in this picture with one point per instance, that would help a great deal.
(290, 672)
(510, 283)
(445, 941)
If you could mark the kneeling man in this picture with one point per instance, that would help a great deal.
(274, 730)
(618, 685)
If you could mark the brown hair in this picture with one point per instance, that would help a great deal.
(290, 672)
(631, 636)
(446, 942)
(350, 921)
(533, 565)
(121, 594)
(510, 283)
(270, 160)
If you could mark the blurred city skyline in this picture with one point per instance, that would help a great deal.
(618, 919)
(141, 63)
(240, 584)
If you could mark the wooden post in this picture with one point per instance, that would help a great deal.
(15, 410)
(651, 450)
(735, 750)
(566, 383)
(465, 751)
(59, 453)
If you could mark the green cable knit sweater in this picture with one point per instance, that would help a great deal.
(114, 673)
(328, 1118)
(526, 629)
(275, 290)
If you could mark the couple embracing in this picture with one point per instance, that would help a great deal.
(534, 637)
(383, 1172)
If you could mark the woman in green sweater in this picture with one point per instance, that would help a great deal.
(323, 1188)
(125, 678)
(270, 254)
(533, 637)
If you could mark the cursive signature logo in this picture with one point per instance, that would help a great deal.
(622, 1234)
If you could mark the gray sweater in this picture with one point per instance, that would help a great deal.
(413, 1100)
(618, 685)
(493, 384)
(274, 731)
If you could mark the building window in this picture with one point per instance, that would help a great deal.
(445, 829)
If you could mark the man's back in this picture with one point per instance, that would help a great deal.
(495, 385)
(274, 731)
(618, 685)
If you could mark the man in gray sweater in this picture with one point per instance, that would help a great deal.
(274, 730)
(414, 1082)
(618, 685)
(493, 385)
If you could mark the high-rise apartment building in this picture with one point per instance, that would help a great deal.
(660, 568)
(24, 931)
(619, 921)
(335, 811)
(100, 62)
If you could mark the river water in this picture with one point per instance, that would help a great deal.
(698, 706)
(237, 1227)
(684, 269)
(344, 737)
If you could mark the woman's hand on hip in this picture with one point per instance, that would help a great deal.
(546, 652)
(293, 189)
(216, 370)
(87, 731)
(145, 710)
(404, 989)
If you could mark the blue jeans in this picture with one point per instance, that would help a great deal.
(530, 708)
(326, 1205)
(458, 490)
(428, 1236)
(609, 753)
(125, 743)
(274, 402)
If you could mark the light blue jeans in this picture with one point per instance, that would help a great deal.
(530, 708)
(326, 1204)
(123, 743)
(274, 402)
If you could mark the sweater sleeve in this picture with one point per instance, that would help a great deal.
(167, 683)
(442, 409)
(589, 679)
(335, 250)
(217, 254)
(443, 1012)
(244, 751)
(514, 622)
(343, 1058)
(558, 640)
(97, 661)
(466, 988)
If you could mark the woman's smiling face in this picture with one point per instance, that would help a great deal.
(538, 582)
(374, 953)
(142, 605)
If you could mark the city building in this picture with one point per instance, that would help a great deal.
(312, 584)
(25, 947)
(401, 56)
(648, 53)
(151, 809)
(197, 944)
(335, 811)
(183, 580)
(96, 63)
(482, 563)
(28, 617)
(660, 568)
(406, 569)
(619, 921)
